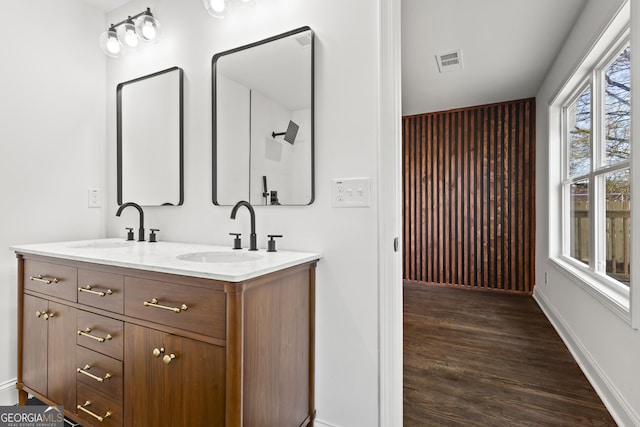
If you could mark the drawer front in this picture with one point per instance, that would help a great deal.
(100, 372)
(51, 279)
(96, 405)
(165, 303)
(101, 290)
(100, 333)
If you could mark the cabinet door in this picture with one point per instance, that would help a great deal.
(62, 355)
(143, 380)
(195, 383)
(181, 384)
(34, 343)
(48, 354)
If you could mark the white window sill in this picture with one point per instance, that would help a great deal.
(612, 294)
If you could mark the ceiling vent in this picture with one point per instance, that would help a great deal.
(449, 61)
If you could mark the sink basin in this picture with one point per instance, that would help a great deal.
(219, 257)
(102, 244)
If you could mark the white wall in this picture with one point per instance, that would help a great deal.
(347, 90)
(52, 139)
(604, 344)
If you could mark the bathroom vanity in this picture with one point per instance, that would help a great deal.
(148, 334)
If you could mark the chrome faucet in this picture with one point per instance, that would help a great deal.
(252, 238)
(141, 226)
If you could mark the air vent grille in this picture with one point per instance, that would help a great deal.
(449, 61)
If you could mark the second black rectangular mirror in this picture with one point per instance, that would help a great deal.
(263, 121)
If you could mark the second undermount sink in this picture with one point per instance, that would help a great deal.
(102, 244)
(219, 257)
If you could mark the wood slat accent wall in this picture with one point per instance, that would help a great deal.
(469, 197)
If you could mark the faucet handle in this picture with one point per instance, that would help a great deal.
(152, 235)
(237, 244)
(129, 233)
(271, 244)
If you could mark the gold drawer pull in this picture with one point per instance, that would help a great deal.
(99, 293)
(90, 375)
(86, 333)
(96, 416)
(39, 278)
(154, 303)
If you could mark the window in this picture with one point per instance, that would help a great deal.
(596, 177)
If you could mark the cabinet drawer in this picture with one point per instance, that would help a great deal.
(100, 372)
(165, 303)
(96, 405)
(51, 279)
(100, 333)
(101, 290)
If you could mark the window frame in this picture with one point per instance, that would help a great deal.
(613, 293)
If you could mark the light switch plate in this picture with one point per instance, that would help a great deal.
(95, 198)
(351, 192)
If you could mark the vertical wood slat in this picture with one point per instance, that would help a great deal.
(469, 197)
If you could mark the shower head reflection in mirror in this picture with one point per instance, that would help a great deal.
(290, 134)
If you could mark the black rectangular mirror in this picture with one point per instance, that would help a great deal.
(263, 121)
(150, 139)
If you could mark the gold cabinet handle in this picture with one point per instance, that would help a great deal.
(96, 416)
(44, 315)
(90, 375)
(46, 280)
(158, 351)
(154, 303)
(86, 333)
(88, 289)
(168, 358)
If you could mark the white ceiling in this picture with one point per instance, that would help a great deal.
(507, 48)
(107, 5)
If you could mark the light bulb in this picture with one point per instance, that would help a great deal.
(218, 5)
(110, 44)
(148, 31)
(147, 27)
(113, 45)
(129, 36)
(216, 8)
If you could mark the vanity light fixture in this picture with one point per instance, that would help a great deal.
(220, 8)
(126, 34)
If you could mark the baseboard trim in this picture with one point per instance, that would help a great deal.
(617, 405)
(8, 393)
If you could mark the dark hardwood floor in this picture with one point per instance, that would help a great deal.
(474, 358)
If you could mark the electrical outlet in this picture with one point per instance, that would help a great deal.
(95, 198)
(351, 192)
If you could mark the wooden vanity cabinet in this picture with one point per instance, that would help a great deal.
(165, 349)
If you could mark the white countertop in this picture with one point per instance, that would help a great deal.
(163, 257)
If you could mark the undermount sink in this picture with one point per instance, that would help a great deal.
(102, 244)
(219, 257)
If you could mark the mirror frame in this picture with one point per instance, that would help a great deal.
(181, 132)
(214, 120)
